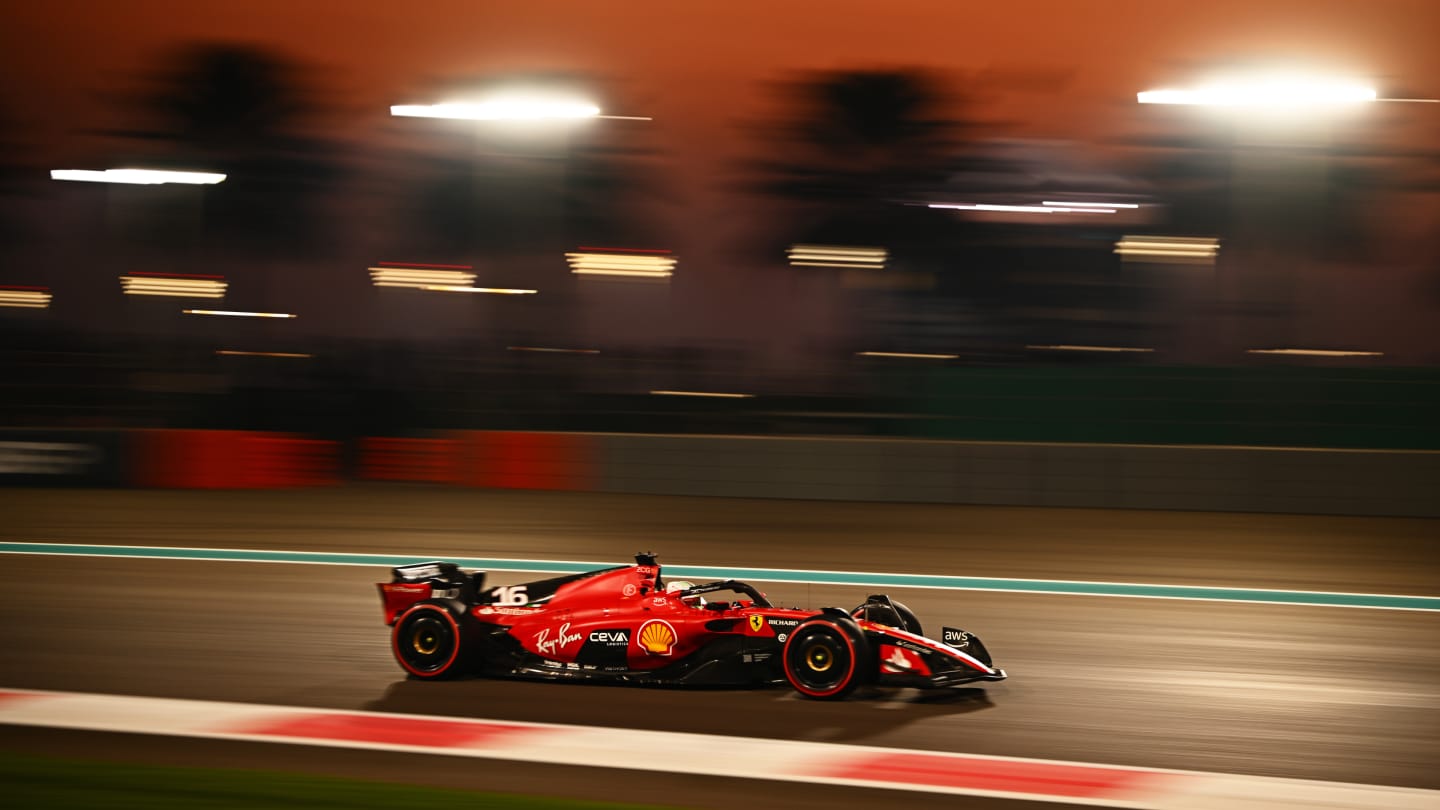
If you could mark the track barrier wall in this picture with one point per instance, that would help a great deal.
(63, 458)
(528, 460)
(434, 461)
(1201, 478)
(230, 459)
(1195, 477)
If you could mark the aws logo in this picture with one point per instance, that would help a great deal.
(657, 637)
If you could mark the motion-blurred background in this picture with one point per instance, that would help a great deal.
(1007, 295)
(940, 221)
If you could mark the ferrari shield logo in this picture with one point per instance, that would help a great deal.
(757, 623)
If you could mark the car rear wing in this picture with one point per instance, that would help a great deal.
(429, 580)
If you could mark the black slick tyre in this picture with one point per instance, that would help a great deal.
(428, 643)
(824, 659)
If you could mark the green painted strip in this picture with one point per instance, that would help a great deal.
(858, 578)
(1071, 588)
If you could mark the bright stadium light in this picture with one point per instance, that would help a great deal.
(1315, 352)
(505, 109)
(511, 105)
(138, 177)
(25, 297)
(232, 313)
(1047, 208)
(1064, 204)
(173, 285)
(844, 256)
(1281, 90)
(910, 355)
(460, 288)
(1169, 249)
(659, 264)
(421, 276)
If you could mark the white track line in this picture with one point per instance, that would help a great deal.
(1062, 587)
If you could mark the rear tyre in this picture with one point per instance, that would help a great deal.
(824, 659)
(428, 643)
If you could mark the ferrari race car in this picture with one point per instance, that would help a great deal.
(628, 625)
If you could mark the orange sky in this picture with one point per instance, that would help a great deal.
(698, 65)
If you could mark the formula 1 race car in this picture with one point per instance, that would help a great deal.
(626, 624)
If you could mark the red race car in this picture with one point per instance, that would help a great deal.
(627, 624)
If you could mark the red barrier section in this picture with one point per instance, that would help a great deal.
(148, 457)
(210, 457)
(230, 459)
(189, 459)
(274, 462)
(321, 462)
(432, 460)
(518, 460)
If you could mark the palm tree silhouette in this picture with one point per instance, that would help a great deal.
(857, 144)
(240, 109)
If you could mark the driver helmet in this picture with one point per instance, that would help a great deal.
(678, 585)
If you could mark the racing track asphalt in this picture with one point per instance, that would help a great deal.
(1323, 693)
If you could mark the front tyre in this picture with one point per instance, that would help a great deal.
(824, 660)
(428, 643)
(891, 614)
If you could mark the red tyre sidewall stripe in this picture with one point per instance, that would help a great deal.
(395, 641)
(854, 661)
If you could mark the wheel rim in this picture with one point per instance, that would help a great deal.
(818, 657)
(426, 643)
(821, 662)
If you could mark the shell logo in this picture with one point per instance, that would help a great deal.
(656, 637)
